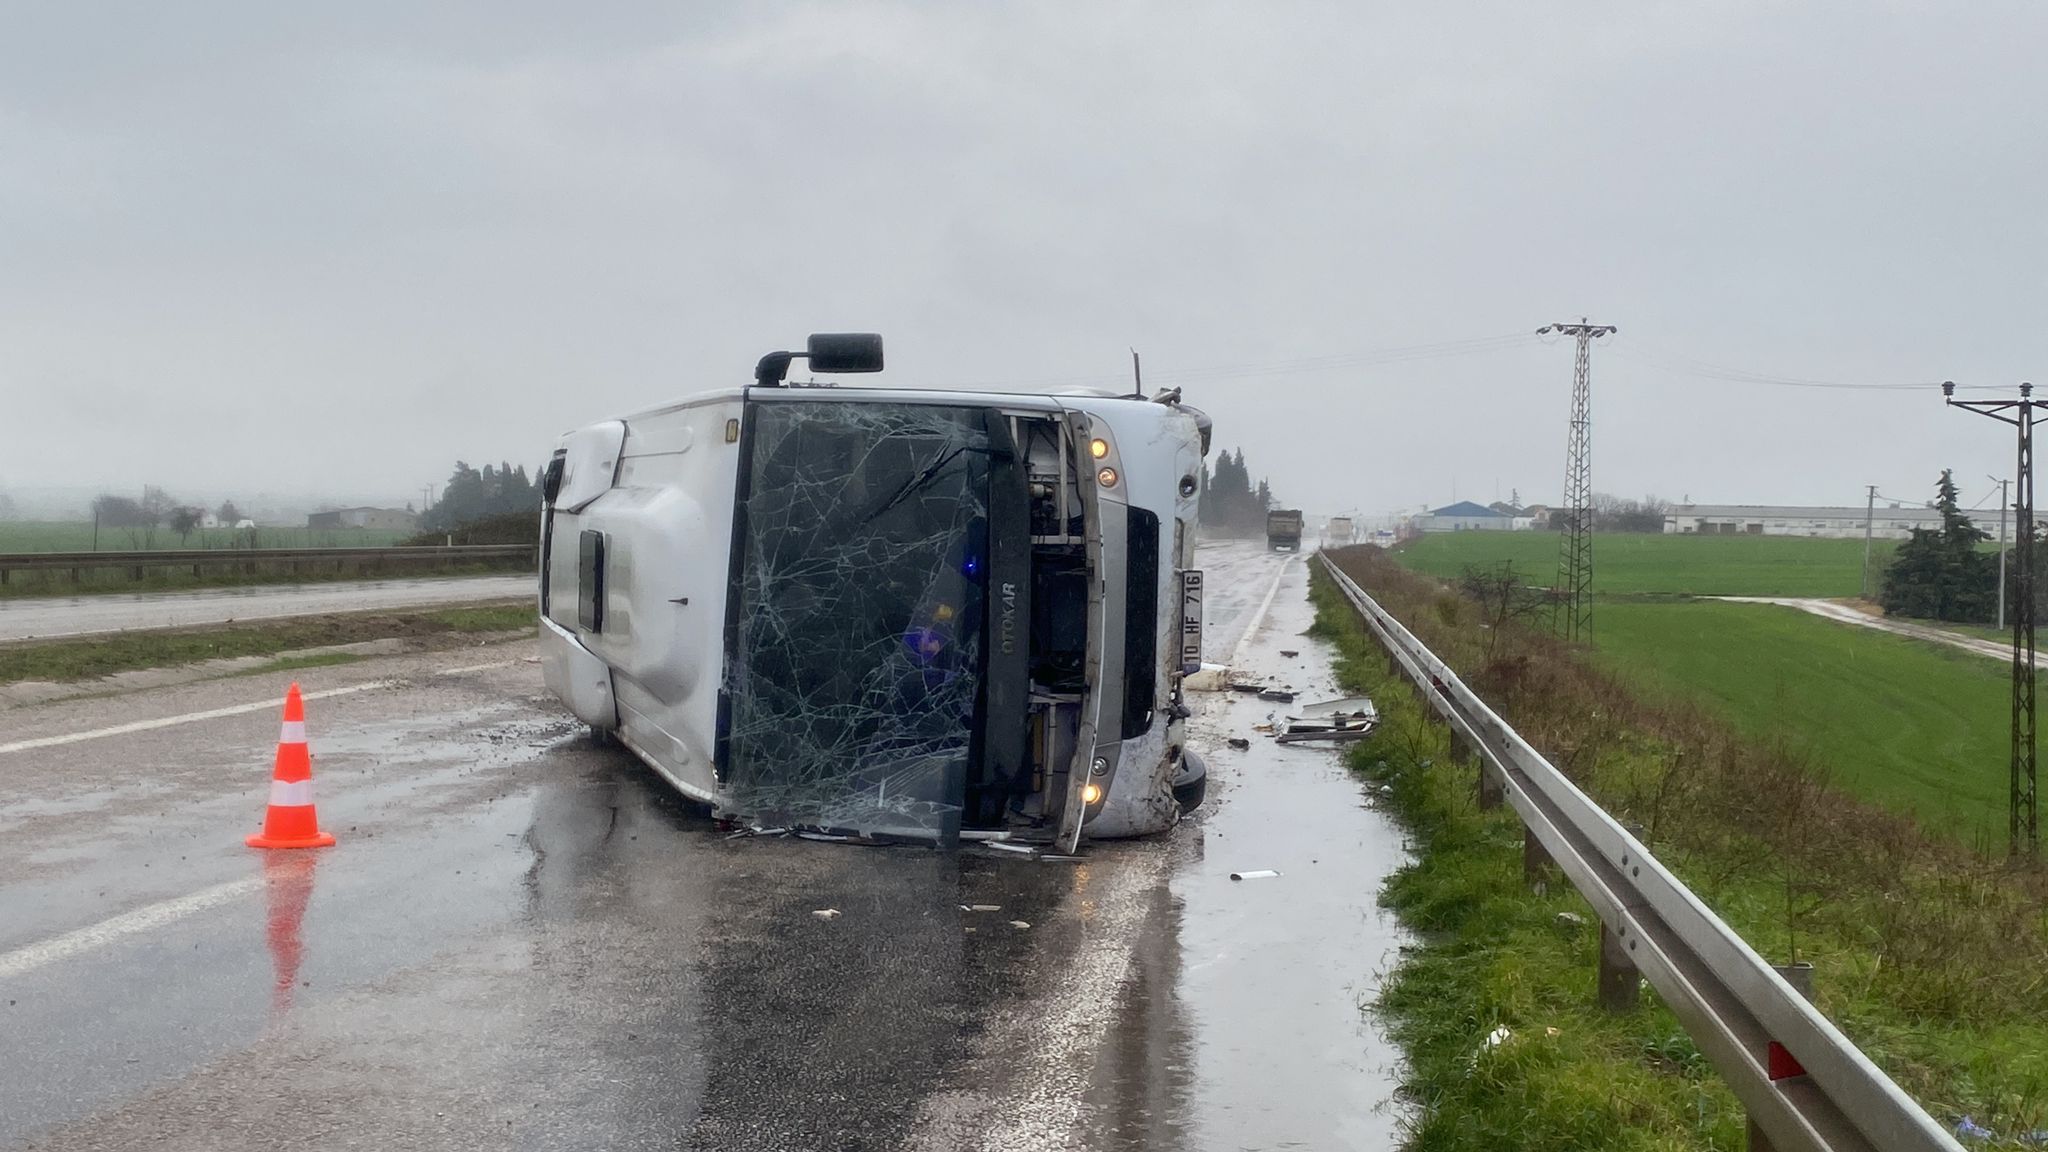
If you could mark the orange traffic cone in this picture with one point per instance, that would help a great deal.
(290, 822)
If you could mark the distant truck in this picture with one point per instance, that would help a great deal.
(1339, 532)
(1283, 529)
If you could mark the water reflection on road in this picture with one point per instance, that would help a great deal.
(1244, 1024)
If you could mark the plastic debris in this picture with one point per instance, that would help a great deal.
(1343, 720)
(757, 830)
(1496, 1038)
(1211, 678)
(1245, 686)
(827, 913)
(1289, 653)
(981, 907)
(1239, 743)
(1254, 874)
(1004, 846)
(1552, 1032)
(1281, 695)
(1020, 924)
(1968, 1129)
(1571, 920)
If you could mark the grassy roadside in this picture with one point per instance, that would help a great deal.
(93, 657)
(1926, 955)
(1494, 955)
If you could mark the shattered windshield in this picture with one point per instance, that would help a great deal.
(856, 665)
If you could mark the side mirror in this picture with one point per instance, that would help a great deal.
(845, 352)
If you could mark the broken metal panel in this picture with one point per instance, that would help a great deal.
(857, 654)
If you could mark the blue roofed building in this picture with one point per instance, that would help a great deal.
(1465, 516)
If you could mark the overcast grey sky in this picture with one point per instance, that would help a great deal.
(256, 247)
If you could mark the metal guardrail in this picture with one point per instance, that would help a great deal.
(199, 559)
(1804, 1084)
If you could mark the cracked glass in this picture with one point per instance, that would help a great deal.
(856, 664)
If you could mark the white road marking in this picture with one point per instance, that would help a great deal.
(1251, 628)
(184, 718)
(126, 924)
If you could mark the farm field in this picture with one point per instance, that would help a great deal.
(77, 536)
(1647, 563)
(1911, 725)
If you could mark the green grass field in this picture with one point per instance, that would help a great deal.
(1699, 565)
(1908, 724)
(67, 536)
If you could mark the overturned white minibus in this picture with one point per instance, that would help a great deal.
(887, 612)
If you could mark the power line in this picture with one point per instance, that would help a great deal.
(1299, 366)
(1680, 364)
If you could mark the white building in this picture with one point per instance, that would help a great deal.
(1890, 522)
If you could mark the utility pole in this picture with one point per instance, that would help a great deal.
(1869, 513)
(2023, 811)
(1574, 603)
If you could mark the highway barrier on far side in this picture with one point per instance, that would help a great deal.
(296, 562)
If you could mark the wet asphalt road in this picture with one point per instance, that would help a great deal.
(23, 618)
(524, 940)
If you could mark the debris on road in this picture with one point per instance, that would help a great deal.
(1265, 727)
(1020, 924)
(981, 907)
(1289, 653)
(1211, 678)
(827, 913)
(1239, 743)
(1281, 695)
(1254, 874)
(1002, 846)
(1346, 719)
(1246, 687)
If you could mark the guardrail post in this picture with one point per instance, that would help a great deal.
(1536, 862)
(1620, 983)
(1489, 787)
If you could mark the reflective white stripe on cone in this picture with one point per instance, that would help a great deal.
(291, 793)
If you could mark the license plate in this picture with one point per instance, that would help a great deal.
(1191, 622)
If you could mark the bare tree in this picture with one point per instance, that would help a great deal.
(1503, 600)
(1616, 514)
(184, 520)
